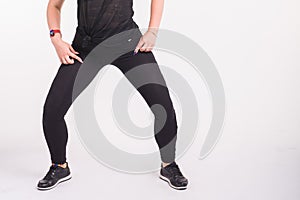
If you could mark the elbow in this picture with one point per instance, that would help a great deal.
(54, 5)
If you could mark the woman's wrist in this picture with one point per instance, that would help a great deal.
(56, 38)
(152, 30)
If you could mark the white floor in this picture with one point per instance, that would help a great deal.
(247, 167)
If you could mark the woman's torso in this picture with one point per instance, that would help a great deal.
(103, 18)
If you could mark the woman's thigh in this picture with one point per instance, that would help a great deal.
(143, 71)
(59, 96)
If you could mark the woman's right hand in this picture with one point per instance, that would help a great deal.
(65, 51)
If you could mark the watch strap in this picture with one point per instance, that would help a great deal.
(54, 31)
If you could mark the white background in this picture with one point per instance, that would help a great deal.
(256, 48)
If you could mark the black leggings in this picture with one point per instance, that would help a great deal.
(59, 99)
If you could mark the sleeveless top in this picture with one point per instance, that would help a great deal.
(100, 19)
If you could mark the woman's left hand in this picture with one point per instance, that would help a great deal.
(147, 42)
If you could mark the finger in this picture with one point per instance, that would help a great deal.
(139, 45)
(69, 60)
(144, 47)
(76, 57)
(73, 50)
(149, 49)
(63, 60)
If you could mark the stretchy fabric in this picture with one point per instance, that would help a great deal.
(105, 17)
(100, 19)
(118, 14)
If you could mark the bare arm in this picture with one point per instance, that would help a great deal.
(53, 13)
(147, 42)
(157, 7)
(63, 49)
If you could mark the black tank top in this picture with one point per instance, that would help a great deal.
(100, 19)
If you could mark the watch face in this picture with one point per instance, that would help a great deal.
(51, 33)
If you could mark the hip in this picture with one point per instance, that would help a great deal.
(86, 41)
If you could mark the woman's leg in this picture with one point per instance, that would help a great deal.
(143, 72)
(57, 103)
(59, 99)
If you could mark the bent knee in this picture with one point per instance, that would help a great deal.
(51, 113)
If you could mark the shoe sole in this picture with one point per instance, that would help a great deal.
(59, 181)
(170, 184)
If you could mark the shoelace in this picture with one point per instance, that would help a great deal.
(51, 172)
(174, 170)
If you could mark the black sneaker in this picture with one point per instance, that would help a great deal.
(54, 176)
(172, 174)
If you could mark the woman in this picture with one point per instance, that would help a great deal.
(97, 21)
